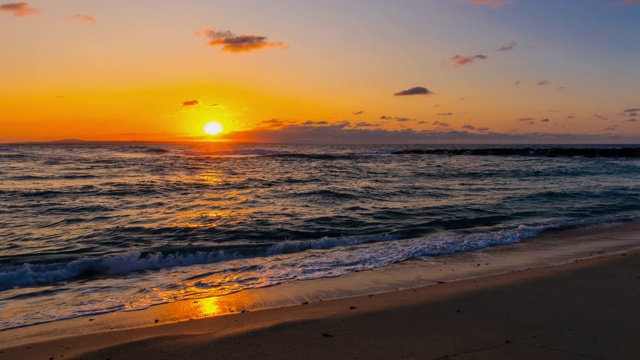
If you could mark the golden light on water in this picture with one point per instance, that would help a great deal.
(213, 128)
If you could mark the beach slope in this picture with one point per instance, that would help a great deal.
(582, 310)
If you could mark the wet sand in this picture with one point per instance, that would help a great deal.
(582, 310)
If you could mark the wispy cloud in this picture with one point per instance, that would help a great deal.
(469, 127)
(511, 45)
(418, 90)
(460, 60)
(358, 112)
(238, 43)
(543, 82)
(19, 9)
(517, 83)
(89, 19)
(492, 3)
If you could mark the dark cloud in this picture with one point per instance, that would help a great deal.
(272, 122)
(611, 128)
(545, 120)
(320, 122)
(459, 60)
(238, 43)
(358, 112)
(396, 118)
(19, 9)
(190, 103)
(418, 90)
(571, 116)
(561, 88)
(445, 114)
(517, 83)
(543, 82)
(366, 124)
(89, 19)
(632, 120)
(469, 127)
(422, 122)
(440, 123)
(342, 133)
(511, 45)
(631, 110)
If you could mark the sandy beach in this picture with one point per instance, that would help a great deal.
(582, 310)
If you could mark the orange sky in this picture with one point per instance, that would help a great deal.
(305, 71)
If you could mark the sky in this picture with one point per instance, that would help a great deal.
(330, 71)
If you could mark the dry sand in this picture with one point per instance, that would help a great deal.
(583, 310)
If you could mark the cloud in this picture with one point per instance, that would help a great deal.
(91, 20)
(320, 122)
(611, 128)
(440, 123)
(358, 112)
(422, 122)
(396, 118)
(543, 82)
(631, 110)
(517, 83)
(238, 43)
(418, 90)
(190, 103)
(469, 127)
(571, 116)
(625, 3)
(342, 133)
(545, 120)
(445, 114)
(511, 45)
(459, 60)
(366, 124)
(528, 120)
(561, 88)
(632, 120)
(19, 9)
(493, 3)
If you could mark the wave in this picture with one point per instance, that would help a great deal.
(624, 152)
(38, 274)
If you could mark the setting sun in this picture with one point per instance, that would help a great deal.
(213, 128)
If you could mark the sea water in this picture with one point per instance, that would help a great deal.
(98, 228)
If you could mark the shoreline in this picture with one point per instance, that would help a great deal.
(222, 328)
(552, 311)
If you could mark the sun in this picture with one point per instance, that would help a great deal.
(213, 128)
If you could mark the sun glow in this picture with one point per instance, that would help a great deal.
(213, 128)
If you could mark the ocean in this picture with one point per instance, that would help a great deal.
(90, 229)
